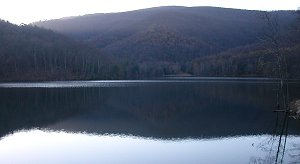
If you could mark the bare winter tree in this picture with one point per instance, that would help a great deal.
(273, 44)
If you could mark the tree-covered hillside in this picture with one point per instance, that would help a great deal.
(202, 41)
(148, 43)
(32, 53)
(168, 33)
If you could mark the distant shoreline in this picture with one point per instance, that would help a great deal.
(124, 83)
(165, 77)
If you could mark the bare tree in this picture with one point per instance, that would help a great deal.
(272, 41)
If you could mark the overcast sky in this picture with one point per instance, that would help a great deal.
(27, 11)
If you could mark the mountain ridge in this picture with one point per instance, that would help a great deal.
(171, 40)
(149, 43)
(218, 27)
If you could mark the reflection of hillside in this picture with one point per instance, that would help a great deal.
(182, 110)
(161, 110)
(28, 108)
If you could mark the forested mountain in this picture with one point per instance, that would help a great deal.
(167, 33)
(251, 62)
(175, 40)
(32, 53)
(147, 43)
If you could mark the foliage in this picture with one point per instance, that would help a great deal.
(202, 41)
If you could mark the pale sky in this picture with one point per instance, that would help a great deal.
(27, 11)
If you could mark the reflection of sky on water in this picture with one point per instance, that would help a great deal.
(174, 121)
(41, 146)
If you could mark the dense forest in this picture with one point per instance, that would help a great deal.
(31, 53)
(149, 43)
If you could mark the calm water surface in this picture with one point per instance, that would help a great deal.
(158, 121)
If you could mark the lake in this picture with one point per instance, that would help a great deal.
(151, 121)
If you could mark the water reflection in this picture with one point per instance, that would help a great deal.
(61, 147)
(156, 112)
(29, 108)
